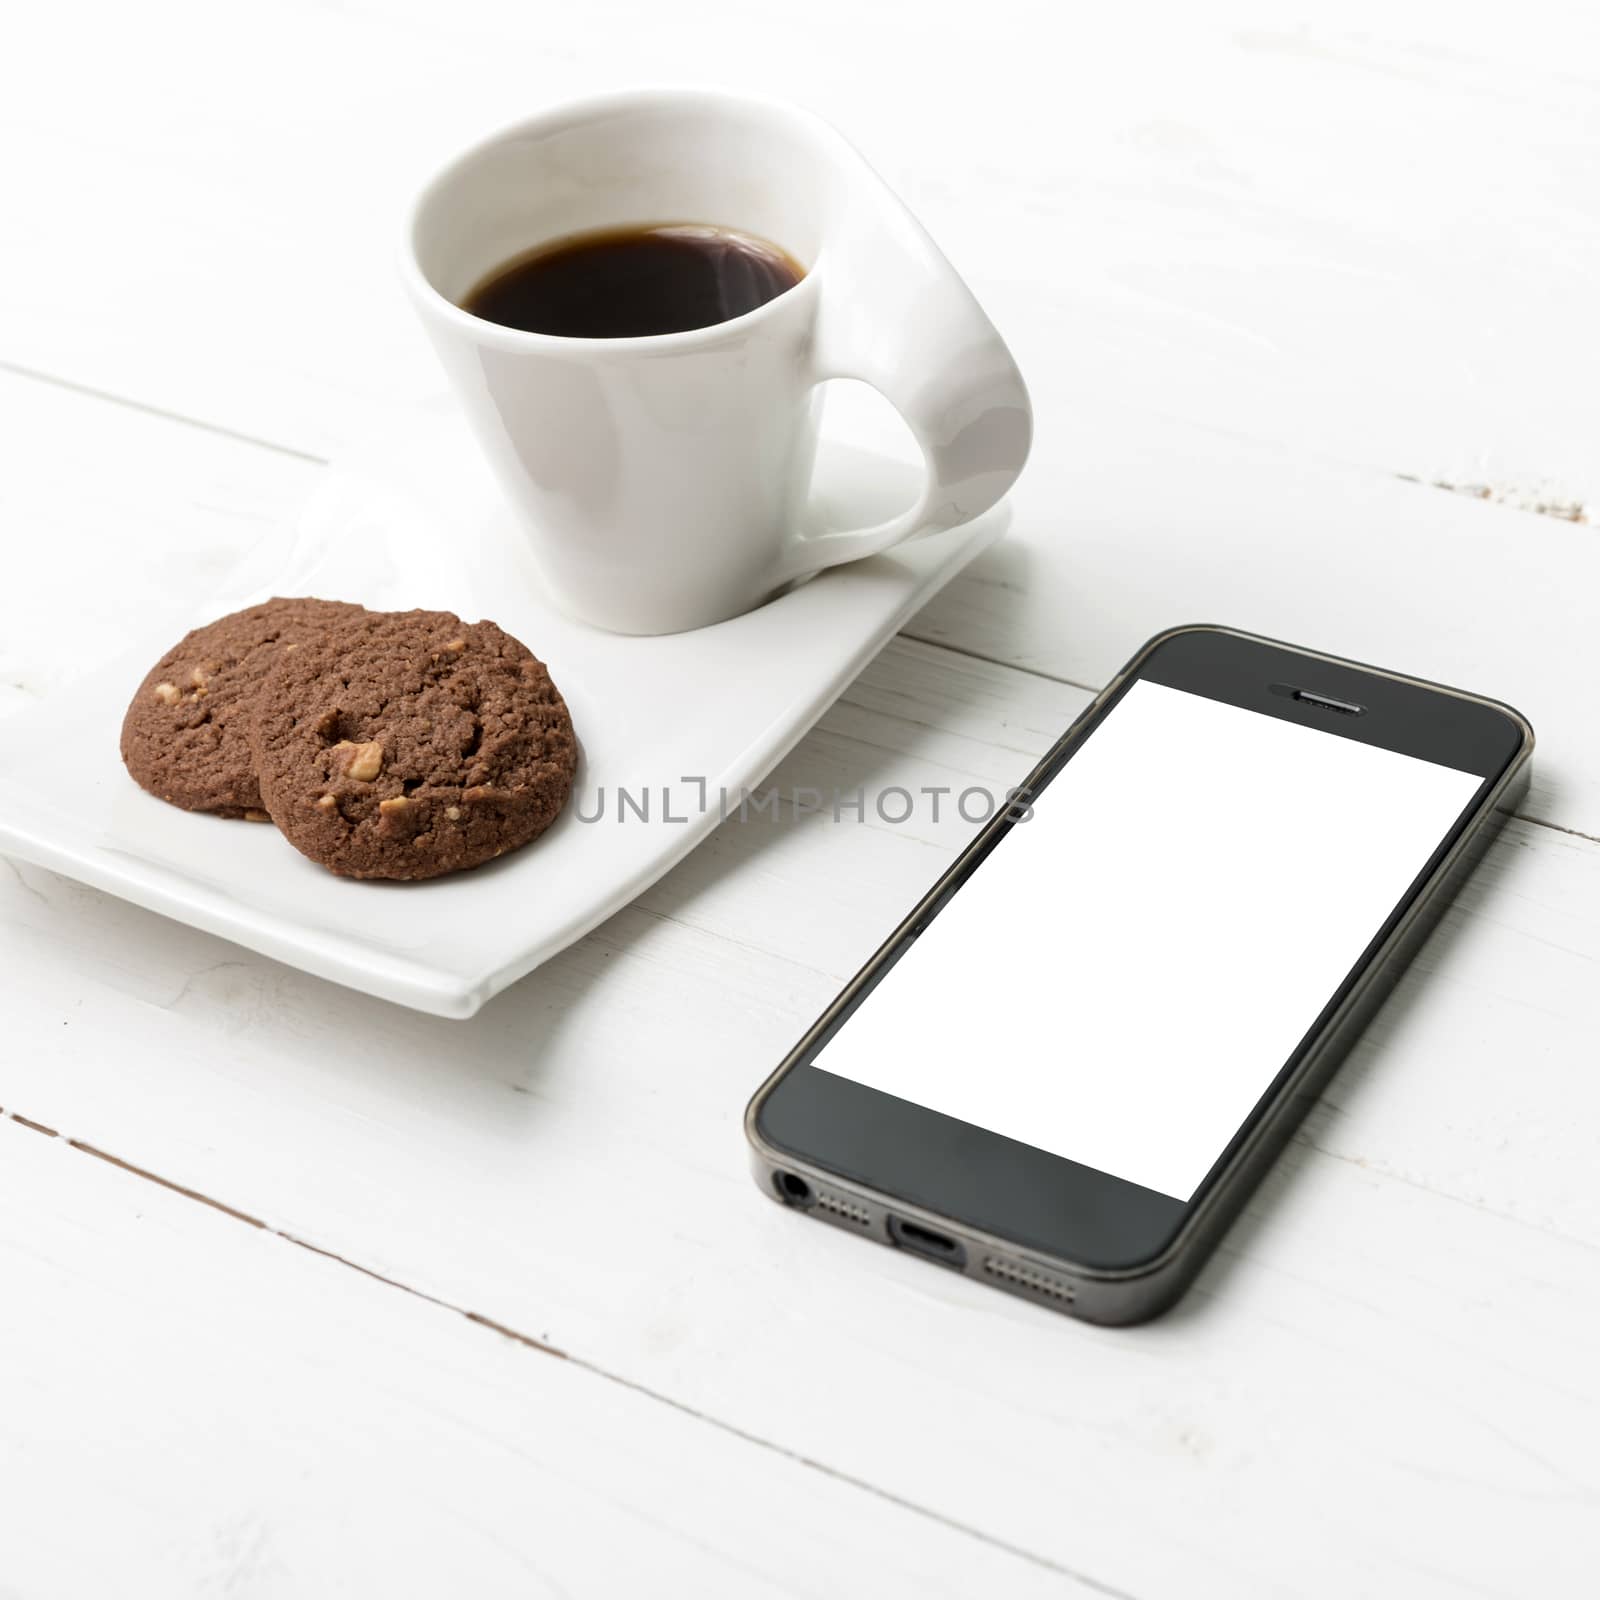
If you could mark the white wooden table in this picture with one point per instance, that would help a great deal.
(302, 1294)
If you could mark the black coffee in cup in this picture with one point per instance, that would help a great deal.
(619, 283)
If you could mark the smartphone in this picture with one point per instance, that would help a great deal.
(1066, 1069)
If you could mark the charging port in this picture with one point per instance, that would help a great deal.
(922, 1241)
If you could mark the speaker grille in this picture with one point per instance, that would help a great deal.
(1029, 1279)
(845, 1210)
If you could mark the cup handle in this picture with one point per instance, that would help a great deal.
(895, 314)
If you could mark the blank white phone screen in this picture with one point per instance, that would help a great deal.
(1123, 977)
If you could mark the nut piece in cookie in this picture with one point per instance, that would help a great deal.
(366, 763)
(410, 744)
(183, 738)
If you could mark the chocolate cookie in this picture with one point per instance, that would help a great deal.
(184, 737)
(404, 744)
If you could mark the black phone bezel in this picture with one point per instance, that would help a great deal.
(1030, 1197)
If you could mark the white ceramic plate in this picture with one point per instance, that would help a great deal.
(415, 521)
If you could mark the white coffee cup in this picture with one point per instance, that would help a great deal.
(662, 480)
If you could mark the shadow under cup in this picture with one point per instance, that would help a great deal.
(659, 478)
